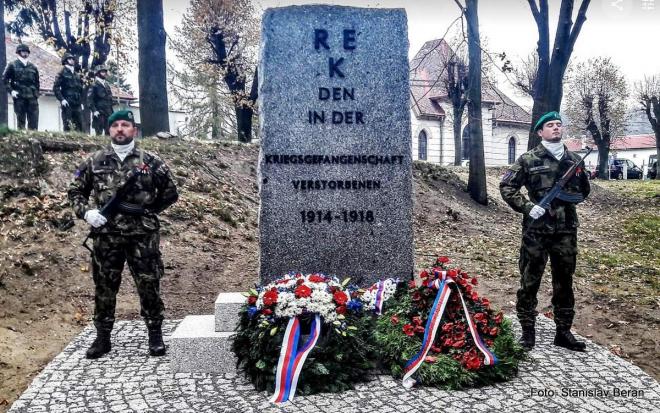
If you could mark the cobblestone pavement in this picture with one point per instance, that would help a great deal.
(126, 380)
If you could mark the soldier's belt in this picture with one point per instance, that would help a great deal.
(131, 209)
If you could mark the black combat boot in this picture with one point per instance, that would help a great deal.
(100, 346)
(528, 339)
(564, 338)
(156, 345)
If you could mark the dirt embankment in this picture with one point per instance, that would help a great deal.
(210, 244)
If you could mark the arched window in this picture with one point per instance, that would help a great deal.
(466, 143)
(512, 150)
(422, 146)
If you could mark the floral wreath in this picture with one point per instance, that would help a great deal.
(427, 342)
(304, 334)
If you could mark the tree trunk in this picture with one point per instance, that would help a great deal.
(477, 177)
(458, 122)
(603, 166)
(4, 116)
(244, 123)
(152, 77)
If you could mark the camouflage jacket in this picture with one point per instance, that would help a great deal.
(537, 170)
(99, 97)
(22, 78)
(69, 86)
(103, 173)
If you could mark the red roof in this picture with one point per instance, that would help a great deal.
(620, 143)
(49, 65)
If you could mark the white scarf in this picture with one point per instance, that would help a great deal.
(555, 148)
(70, 68)
(122, 151)
(24, 61)
(100, 80)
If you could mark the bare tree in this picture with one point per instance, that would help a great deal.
(647, 93)
(524, 75)
(152, 77)
(477, 174)
(597, 103)
(548, 87)
(4, 117)
(224, 39)
(456, 86)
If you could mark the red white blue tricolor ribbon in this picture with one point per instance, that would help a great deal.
(380, 297)
(432, 325)
(292, 358)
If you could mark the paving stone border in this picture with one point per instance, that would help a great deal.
(127, 380)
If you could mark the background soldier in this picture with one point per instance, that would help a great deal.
(550, 233)
(68, 89)
(99, 99)
(129, 234)
(22, 80)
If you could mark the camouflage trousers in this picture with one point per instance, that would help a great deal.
(72, 118)
(142, 254)
(26, 109)
(534, 252)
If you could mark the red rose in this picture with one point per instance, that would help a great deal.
(458, 344)
(341, 309)
(409, 330)
(447, 327)
(474, 296)
(299, 275)
(468, 287)
(485, 302)
(425, 283)
(461, 281)
(430, 359)
(267, 311)
(419, 329)
(480, 317)
(452, 273)
(332, 289)
(473, 363)
(300, 281)
(424, 274)
(443, 260)
(252, 300)
(498, 318)
(394, 319)
(435, 349)
(474, 281)
(493, 331)
(340, 297)
(315, 278)
(489, 342)
(417, 320)
(270, 297)
(416, 296)
(459, 336)
(448, 342)
(302, 291)
(411, 284)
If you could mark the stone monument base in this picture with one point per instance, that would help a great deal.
(201, 343)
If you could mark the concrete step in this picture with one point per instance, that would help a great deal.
(196, 347)
(227, 306)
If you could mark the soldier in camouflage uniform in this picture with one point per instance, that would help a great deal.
(22, 81)
(551, 233)
(99, 99)
(128, 234)
(68, 89)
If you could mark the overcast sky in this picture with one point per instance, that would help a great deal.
(625, 30)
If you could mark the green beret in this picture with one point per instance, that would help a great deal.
(546, 118)
(121, 115)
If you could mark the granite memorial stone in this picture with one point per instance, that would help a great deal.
(335, 164)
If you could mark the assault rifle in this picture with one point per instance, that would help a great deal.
(557, 189)
(115, 203)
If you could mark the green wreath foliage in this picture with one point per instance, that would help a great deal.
(444, 366)
(335, 364)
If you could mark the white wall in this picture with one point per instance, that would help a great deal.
(639, 157)
(499, 148)
(433, 141)
(50, 118)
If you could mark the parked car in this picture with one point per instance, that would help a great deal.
(616, 169)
